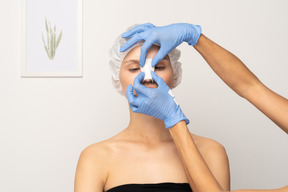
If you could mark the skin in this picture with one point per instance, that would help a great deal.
(130, 68)
(239, 78)
(145, 151)
(200, 177)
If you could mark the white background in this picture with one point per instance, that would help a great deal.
(63, 14)
(46, 122)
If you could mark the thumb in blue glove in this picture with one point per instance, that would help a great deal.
(156, 102)
(168, 37)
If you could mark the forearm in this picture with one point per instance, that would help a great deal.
(199, 175)
(239, 78)
(283, 189)
(227, 66)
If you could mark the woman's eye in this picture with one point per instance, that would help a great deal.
(159, 68)
(134, 69)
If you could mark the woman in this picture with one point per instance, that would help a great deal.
(144, 157)
(229, 68)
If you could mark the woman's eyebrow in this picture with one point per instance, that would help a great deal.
(132, 60)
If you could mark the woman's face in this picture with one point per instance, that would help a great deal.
(130, 68)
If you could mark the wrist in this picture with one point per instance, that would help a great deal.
(192, 34)
(176, 117)
(178, 129)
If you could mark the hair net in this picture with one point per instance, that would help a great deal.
(116, 58)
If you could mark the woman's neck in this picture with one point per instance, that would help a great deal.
(147, 129)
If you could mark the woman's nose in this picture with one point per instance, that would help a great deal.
(147, 81)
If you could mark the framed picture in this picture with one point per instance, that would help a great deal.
(51, 38)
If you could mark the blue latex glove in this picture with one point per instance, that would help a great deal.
(168, 37)
(156, 102)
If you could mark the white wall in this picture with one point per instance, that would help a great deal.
(46, 122)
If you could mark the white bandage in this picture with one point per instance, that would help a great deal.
(147, 68)
(170, 93)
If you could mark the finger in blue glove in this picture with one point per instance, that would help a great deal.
(167, 37)
(156, 102)
(137, 29)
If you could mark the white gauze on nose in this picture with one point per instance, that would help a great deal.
(147, 68)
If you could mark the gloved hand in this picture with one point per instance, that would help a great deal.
(168, 37)
(156, 102)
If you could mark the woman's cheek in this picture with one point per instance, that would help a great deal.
(130, 78)
(162, 75)
(167, 77)
(134, 75)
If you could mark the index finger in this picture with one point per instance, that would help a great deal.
(137, 29)
(137, 83)
(158, 80)
(144, 49)
(131, 42)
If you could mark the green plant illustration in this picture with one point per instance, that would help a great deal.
(52, 44)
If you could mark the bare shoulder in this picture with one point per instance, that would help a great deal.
(208, 146)
(212, 151)
(100, 154)
(97, 149)
(101, 150)
(92, 167)
(97, 155)
(216, 158)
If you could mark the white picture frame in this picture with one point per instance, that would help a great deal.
(57, 25)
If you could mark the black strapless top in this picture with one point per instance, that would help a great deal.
(152, 187)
